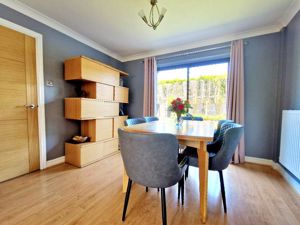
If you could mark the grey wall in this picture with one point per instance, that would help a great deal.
(135, 82)
(291, 94)
(57, 47)
(262, 57)
(261, 92)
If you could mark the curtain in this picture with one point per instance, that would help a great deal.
(235, 96)
(150, 70)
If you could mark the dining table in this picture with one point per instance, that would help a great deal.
(191, 133)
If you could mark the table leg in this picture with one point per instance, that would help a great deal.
(203, 179)
(125, 180)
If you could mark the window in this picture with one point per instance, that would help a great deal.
(203, 85)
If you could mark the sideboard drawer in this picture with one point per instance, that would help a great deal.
(83, 68)
(121, 94)
(118, 123)
(98, 130)
(99, 91)
(81, 155)
(84, 109)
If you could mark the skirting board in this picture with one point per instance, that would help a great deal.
(260, 161)
(289, 179)
(54, 162)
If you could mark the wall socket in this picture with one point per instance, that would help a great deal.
(49, 83)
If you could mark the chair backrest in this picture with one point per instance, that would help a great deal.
(220, 123)
(231, 139)
(134, 121)
(150, 118)
(150, 159)
(190, 117)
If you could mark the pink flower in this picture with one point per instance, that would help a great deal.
(179, 99)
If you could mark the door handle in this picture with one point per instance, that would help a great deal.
(31, 106)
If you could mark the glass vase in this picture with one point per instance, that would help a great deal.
(179, 121)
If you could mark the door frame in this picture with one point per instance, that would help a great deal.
(40, 85)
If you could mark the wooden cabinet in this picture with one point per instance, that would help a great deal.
(81, 155)
(98, 111)
(99, 91)
(85, 109)
(121, 94)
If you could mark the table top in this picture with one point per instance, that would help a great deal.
(190, 129)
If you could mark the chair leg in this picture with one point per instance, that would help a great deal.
(146, 189)
(179, 188)
(163, 206)
(182, 190)
(223, 190)
(126, 199)
(187, 172)
(157, 189)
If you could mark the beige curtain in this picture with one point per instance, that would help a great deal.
(235, 96)
(150, 70)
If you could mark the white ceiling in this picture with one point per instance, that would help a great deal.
(115, 25)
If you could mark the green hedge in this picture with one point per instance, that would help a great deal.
(203, 78)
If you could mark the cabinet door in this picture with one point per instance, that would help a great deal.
(99, 91)
(84, 109)
(98, 130)
(121, 94)
(118, 123)
(82, 68)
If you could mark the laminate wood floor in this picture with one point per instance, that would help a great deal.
(92, 195)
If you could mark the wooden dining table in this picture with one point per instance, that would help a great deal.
(192, 133)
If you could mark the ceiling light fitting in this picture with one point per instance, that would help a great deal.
(155, 16)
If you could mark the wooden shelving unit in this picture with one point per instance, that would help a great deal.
(98, 111)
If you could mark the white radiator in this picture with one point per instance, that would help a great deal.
(290, 141)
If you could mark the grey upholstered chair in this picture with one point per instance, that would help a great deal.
(220, 160)
(215, 145)
(151, 118)
(151, 160)
(190, 117)
(220, 123)
(134, 121)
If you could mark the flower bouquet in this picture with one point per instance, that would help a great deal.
(179, 107)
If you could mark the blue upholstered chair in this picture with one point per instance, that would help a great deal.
(134, 121)
(213, 146)
(190, 117)
(151, 160)
(151, 118)
(231, 134)
(220, 122)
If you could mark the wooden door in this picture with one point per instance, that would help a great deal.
(19, 147)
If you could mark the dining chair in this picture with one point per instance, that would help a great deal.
(220, 123)
(151, 160)
(190, 117)
(150, 118)
(134, 121)
(213, 146)
(220, 160)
